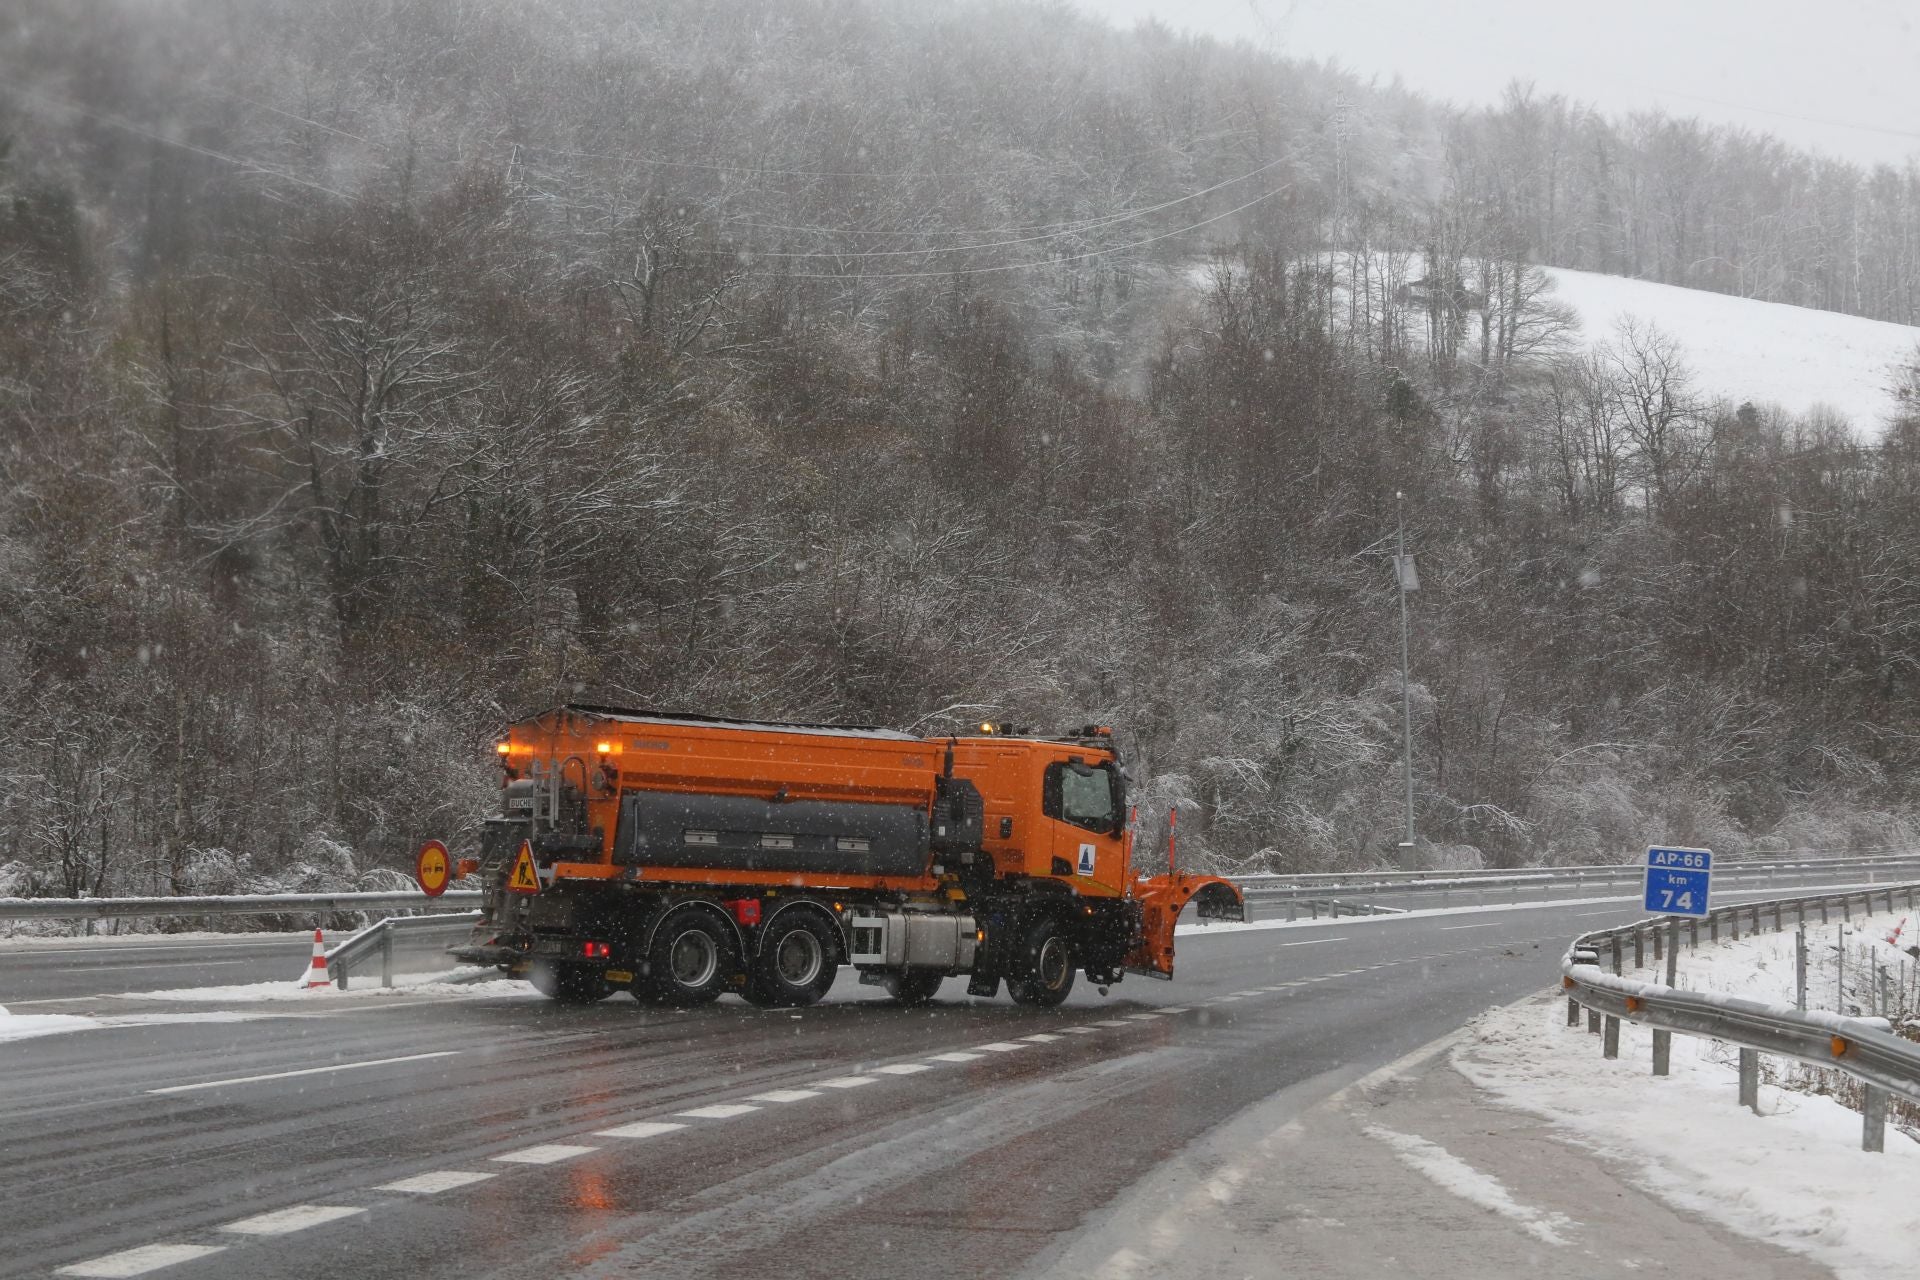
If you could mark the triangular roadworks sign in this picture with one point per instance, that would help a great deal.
(523, 878)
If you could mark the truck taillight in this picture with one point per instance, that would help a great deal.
(596, 950)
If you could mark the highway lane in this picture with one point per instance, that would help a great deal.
(990, 1158)
(33, 973)
(994, 1156)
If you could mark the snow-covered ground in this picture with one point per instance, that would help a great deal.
(1793, 1175)
(1766, 352)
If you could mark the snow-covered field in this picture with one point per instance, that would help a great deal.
(1766, 352)
(1793, 1176)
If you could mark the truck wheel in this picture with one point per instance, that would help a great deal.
(914, 986)
(568, 983)
(691, 958)
(1045, 967)
(798, 959)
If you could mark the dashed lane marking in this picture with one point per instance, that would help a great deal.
(1081, 1031)
(1254, 992)
(297, 1217)
(549, 1153)
(1173, 1008)
(954, 1057)
(1001, 1046)
(137, 1262)
(427, 1184)
(1110, 1022)
(1449, 928)
(305, 1071)
(844, 1082)
(1312, 942)
(1142, 1017)
(1041, 1037)
(903, 1069)
(645, 1128)
(785, 1095)
(718, 1111)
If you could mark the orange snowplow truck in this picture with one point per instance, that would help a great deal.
(684, 857)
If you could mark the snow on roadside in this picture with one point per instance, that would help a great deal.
(16, 1026)
(1793, 1176)
(457, 982)
(24, 1026)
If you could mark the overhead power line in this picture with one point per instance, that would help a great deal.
(1027, 266)
(1089, 224)
(117, 122)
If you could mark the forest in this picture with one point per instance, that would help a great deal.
(372, 374)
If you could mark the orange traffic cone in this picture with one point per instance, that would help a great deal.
(317, 975)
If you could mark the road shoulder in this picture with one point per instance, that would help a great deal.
(1411, 1170)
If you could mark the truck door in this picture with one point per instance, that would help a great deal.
(1087, 806)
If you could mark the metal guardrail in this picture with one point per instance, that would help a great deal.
(1748, 865)
(263, 904)
(378, 936)
(1863, 1048)
(1482, 888)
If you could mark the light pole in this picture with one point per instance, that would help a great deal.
(1405, 576)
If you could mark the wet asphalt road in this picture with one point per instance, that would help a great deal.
(927, 1166)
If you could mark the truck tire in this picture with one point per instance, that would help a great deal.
(799, 956)
(568, 983)
(1044, 970)
(691, 958)
(912, 987)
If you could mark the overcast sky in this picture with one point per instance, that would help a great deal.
(1839, 75)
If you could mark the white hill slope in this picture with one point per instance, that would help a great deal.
(1766, 352)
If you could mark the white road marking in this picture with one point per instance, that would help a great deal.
(903, 1069)
(953, 1057)
(1254, 992)
(844, 1082)
(1110, 1022)
(1613, 912)
(718, 1111)
(1081, 1031)
(427, 1184)
(1041, 1037)
(293, 1218)
(1173, 1008)
(643, 1129)
(307, 1071)
(785, 1095)
(137, 1262)
(1451, 928)
(1312, 942)
(551, 1153)
(1142, 1017)
(1223, 1000)
(1000, 1046)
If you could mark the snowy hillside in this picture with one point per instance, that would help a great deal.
(1759, 351)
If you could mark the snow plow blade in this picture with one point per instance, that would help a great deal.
(1162, 898)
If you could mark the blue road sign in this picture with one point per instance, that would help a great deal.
(1678, 881)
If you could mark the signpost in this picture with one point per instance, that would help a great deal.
(433, 868)
(1678, 881)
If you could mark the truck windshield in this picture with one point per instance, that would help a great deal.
(1085, 795)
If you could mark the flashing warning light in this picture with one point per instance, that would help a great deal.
(986, 726)
(596, 950)
(607, 748)
(503, 747)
